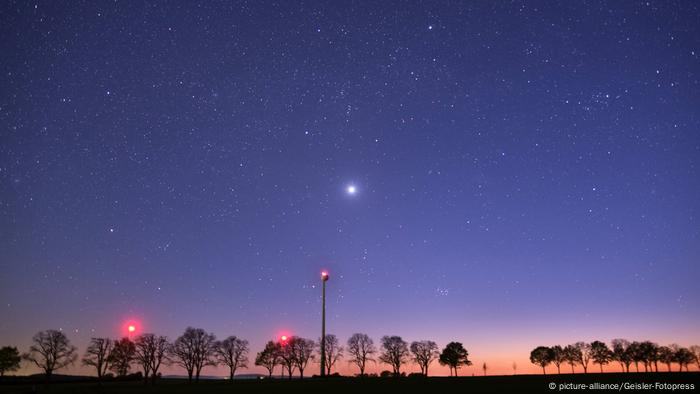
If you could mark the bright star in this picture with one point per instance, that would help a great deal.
(352, 189)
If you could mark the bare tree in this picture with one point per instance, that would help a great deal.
(233, 352)
(97, 355)
(286, 357)
(121, 356)
(515, 368)
(268, 357)
(424, 352)
(51, 350)
(601, 354)
(394, 352)
(484, 367)
(9, 359)
(193, 351)
(558, 357)
(302, 351)
(361, 348)
(151, 352)
(333, 351)
(454, 355)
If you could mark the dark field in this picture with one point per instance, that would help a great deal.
(478, 384)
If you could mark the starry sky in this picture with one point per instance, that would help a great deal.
(504, 174)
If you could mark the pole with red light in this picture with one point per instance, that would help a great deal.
(324, 279)
(283, 343)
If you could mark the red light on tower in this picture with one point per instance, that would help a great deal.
(131, 328)
(324, 275)
(283, 338)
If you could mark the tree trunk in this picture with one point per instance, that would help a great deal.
(558, 370)
(572, 368)
(455, 371)
(543, 371)
(601, 368)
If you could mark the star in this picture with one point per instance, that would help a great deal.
(351, 189)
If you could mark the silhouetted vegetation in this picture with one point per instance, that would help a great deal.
(193, 351)
(394, 352)
(97, 355)
(302, 350)
(51, 350)
(333, 351)
(151, 352)
(424, 352)
(121, 357)
(232, 352)
(9, 359)
(361, 348)
(454, 355)
(268, 357)
(626, 353)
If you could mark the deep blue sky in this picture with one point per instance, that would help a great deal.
(525, 172)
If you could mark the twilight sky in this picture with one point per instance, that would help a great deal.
(525, 173)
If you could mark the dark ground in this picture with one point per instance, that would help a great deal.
(478, 384)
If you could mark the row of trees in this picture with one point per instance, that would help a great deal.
(51, 350)
(195, 349)
(647, 353)
(294, 354)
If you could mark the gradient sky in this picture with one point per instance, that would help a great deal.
(526, 173)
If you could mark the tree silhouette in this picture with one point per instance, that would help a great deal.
(151, 352)
(302, 351)
(123, 353)
(573, 355)
(9, 359)
(484, 367)
(684, 357)
(667, 356)
(286, 357)
(232, 352)
(394, 352)
(542, 356)
(268, 357)
(97, 355)
(194, 350)
(584, 354)
(649, 353)
(621, 353)
(636, 354)
(424, 352)
(361, 348)
(51, 350)
(695, 349)
(600, 353)
(559, 357)
(515, 368)
(454, 355)
(333, 351)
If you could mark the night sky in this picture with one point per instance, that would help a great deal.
(524, 173)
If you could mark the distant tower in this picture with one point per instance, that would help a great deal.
(324, 279)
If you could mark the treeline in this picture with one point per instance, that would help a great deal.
(622, 351)
(196, 349)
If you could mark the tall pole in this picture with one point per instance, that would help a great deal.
(324, 278)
